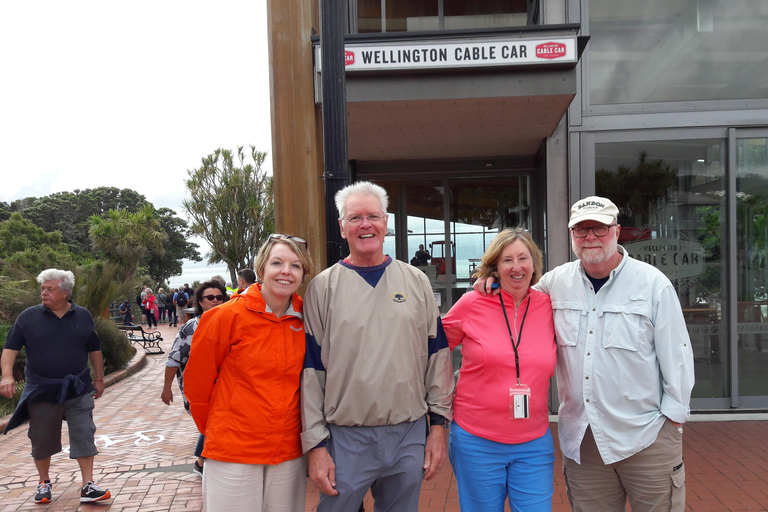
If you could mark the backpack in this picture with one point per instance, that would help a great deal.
(181, 299)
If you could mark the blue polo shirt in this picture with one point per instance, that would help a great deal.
(55, 346)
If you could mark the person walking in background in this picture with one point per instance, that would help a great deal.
(377, 368)
(60, 339)
(210, 294)
(149, 308)
(180, 302)
(242, 383)
(500, 443)
(624, 371)
(162, 305)
(140, 302)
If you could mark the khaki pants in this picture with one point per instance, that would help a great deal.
(653, 479)
(233, 487)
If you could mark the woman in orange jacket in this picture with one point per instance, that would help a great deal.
(242, 383)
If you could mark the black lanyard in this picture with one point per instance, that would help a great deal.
(520, 334)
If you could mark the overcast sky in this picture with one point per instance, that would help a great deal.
(127, 94)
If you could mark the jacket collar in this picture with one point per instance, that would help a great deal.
(254, 301)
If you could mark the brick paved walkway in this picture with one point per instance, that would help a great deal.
(146, 459)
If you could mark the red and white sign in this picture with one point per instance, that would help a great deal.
(551, 50)
(458, 54)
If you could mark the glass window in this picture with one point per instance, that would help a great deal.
(751, 255)
(460, 14)
(671, 200)
(419, 15)
(677, 50)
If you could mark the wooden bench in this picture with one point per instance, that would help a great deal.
(149, 340)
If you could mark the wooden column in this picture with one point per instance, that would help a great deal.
(297, 147)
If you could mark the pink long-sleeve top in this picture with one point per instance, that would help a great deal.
(481, 404)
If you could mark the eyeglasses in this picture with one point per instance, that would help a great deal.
(212, 298)
(297, 239)
(357, 219)
(597, 230)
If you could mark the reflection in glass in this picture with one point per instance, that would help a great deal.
(752, 251)
(422, 15)
(671, 210)
(660, 50)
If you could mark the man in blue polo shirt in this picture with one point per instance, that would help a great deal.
(60, 339)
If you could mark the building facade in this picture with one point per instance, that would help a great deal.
(476, 116)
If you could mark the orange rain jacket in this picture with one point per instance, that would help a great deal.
(242, 380)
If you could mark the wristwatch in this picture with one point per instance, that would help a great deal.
(438, 421)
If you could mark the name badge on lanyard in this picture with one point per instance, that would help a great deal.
(519, 399)
(519, 394)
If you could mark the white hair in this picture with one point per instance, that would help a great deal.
(361, 188)
(65, 278)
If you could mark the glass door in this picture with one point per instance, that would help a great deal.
(751, 266)
(671, 199)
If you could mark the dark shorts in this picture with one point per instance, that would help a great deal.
(45, 421)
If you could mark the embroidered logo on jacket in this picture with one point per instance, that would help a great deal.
(398, 297)
(297, 329)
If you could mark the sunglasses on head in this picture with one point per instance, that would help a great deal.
(297, 239)
(211, 298)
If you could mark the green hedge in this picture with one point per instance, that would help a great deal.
(115, 347)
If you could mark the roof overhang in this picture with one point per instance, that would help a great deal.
(469, 94)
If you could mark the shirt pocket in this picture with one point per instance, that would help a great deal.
(625, 324)
(569, 322)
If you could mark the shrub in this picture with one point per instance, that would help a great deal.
(18, 365)
(15, 297)
(115, 347)
(7, 405)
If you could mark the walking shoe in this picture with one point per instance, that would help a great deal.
(197, 468)
(92, 492)
(43, 494)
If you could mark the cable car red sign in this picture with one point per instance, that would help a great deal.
(550, 50)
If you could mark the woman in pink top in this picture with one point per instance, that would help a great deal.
(500, 443)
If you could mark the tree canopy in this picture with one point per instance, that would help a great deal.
(125, 237)
(26, 249)
(70, 212)
(231, 205)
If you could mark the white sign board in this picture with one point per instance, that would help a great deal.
(678, 259)
(433, 55)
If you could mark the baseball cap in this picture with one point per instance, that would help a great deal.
(593, 208)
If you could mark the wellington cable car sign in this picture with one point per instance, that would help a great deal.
(438, 55)
(678, 259)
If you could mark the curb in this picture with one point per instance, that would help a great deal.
(134, 365)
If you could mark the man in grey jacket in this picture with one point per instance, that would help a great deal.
(377, 374)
